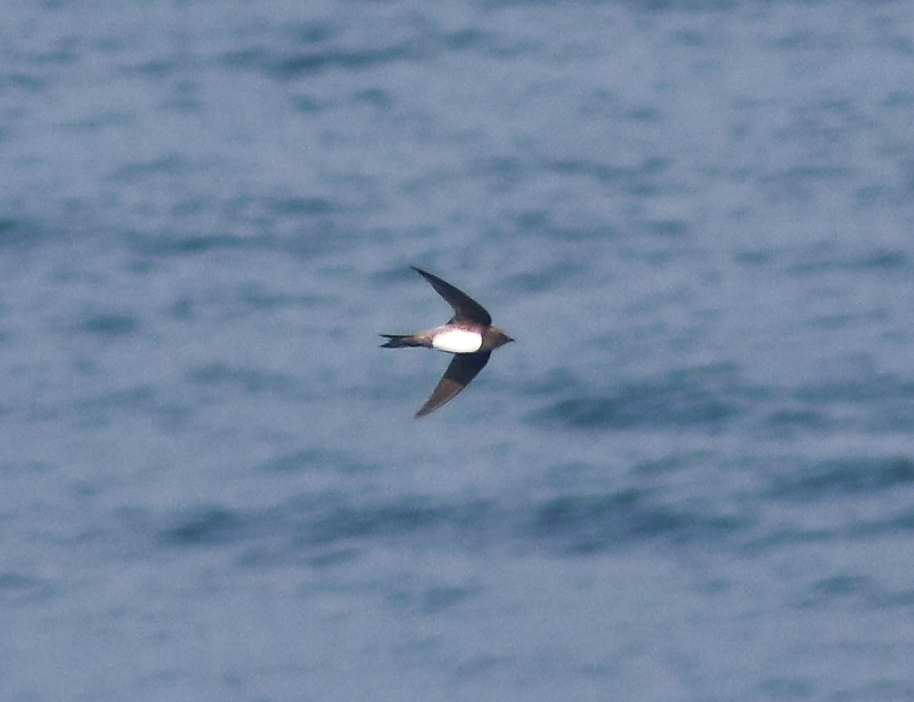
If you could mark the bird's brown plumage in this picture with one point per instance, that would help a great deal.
(469, 316)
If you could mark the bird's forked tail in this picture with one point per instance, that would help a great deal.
(398, 341)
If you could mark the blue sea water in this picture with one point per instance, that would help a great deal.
(691, 478)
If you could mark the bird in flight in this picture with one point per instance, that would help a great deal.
(469, 335)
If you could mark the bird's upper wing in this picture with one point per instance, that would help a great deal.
(458, 375)
(465, 307)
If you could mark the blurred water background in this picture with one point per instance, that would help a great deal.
(692, 478)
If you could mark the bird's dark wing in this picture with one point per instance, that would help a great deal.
(458, 375)
(465, 307)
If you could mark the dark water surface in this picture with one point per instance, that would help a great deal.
(692, 478)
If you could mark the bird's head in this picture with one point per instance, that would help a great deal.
(499, 337)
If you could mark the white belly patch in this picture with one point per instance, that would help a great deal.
(458, 341)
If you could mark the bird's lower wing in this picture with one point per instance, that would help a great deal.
(458, 375)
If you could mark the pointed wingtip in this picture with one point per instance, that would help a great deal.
(425, 274)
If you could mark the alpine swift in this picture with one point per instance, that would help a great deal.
(469, 335)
